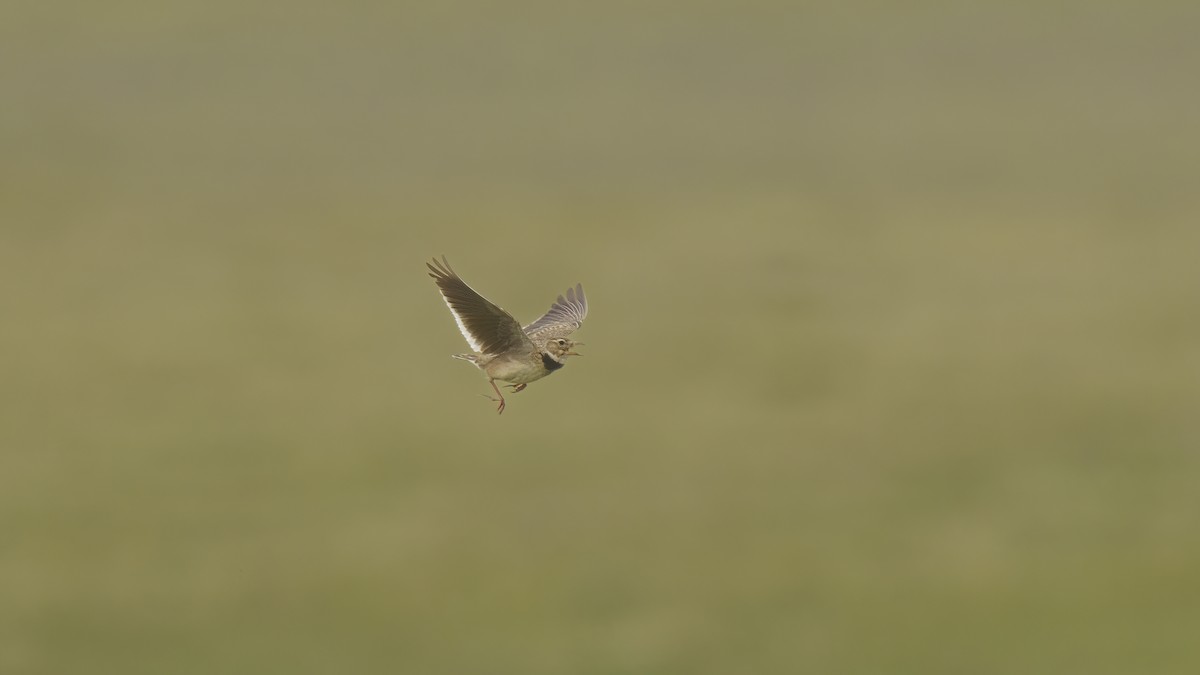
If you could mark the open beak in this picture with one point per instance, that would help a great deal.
(572, 352)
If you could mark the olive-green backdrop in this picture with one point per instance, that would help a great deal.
(893, 362)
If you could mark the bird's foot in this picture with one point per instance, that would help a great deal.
(496, 389)
(493, 399)
(517, 387)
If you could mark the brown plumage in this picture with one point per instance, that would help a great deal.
(504, 350)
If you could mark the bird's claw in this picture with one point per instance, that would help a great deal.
(500, 408)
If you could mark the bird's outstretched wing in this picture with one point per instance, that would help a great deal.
(566, 315)
(487, 328)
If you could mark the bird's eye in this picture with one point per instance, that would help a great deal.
(562, 342)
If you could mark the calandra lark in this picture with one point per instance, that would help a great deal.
(504, 350)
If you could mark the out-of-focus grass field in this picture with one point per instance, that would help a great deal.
(893, 364)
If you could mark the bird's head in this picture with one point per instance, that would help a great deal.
(560, 348)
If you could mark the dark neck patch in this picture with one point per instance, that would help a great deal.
(550, 363)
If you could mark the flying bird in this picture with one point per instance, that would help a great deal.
(502, 349)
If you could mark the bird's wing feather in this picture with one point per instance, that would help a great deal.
(487, 328)
(565, 316)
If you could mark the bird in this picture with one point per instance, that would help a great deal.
(501, 347)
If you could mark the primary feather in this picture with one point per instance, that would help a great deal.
(487, 328)
(565, 316)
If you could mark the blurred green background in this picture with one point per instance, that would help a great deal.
(893, 363)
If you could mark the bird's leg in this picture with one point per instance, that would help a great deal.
(500, 409)
(517, 387)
